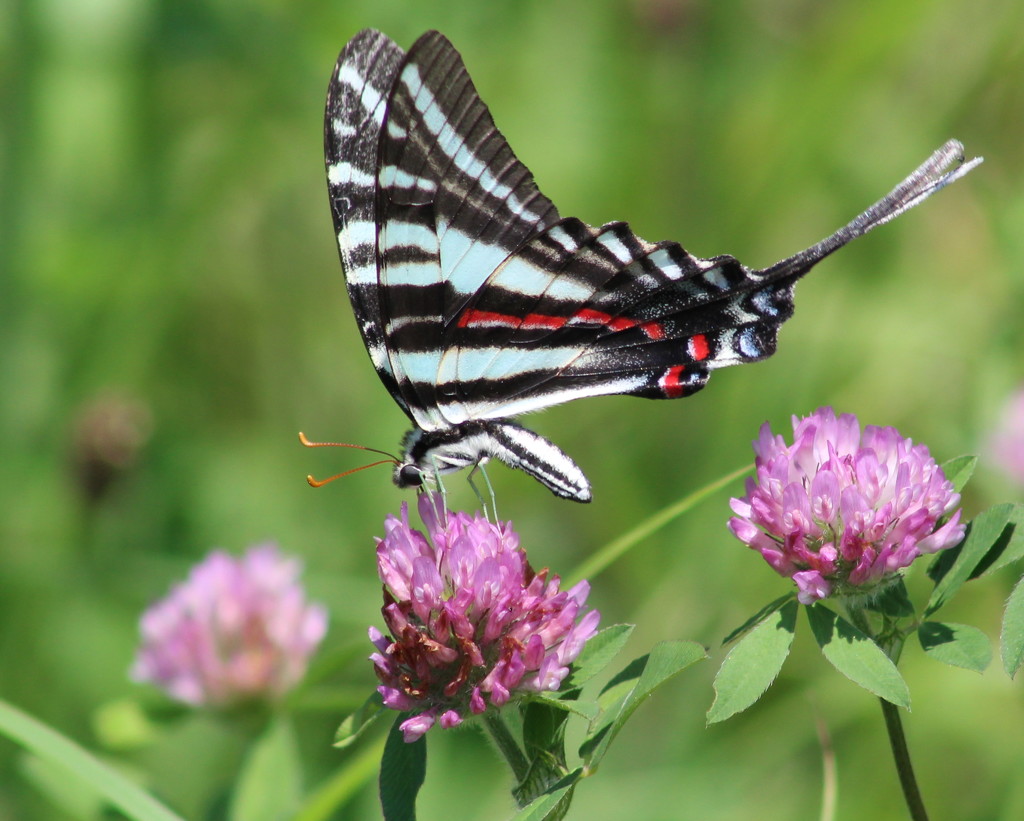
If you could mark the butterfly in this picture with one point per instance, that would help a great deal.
(477, 302)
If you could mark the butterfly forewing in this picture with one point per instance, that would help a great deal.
(357, 99)
(447, 170)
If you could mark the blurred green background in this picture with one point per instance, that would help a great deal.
(172, 312)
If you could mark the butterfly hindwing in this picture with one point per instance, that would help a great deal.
(606, 313)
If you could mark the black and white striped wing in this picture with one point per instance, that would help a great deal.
(357, 99)
(492, 306)
(454, 203)
(614, 315)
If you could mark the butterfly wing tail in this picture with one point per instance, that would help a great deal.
(945, 166)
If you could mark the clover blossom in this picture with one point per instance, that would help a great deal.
(471, 623)
(238, 629)
(840, 511)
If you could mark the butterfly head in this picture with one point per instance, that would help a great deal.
(408, 475)
(432, 453)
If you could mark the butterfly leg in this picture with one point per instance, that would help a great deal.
(434, 477)
(481, 468)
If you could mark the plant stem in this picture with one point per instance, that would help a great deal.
(507, 744)
(600, 559)
(904, 767)
(828, 774)
(893, 722)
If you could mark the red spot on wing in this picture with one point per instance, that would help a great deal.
(653, 330)
(473, 317)
(590, 315)
(542, 321)
(670, 382)
(698, 347)
(484, 319)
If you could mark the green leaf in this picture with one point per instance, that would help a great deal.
(981, 534)
(753, 663)
(544, 745)
(957, 644)
(758, 617)
(597, 653)
(75, 799)
(403, 769)
(1006, 548)
(959, 469)
(554, 804)
(856, 656)
(51, 746)
(1012, 636)
(893, 601)
(635, 683)
(353, 726)
(585, 709)
(544, 731)
(1009, 547)
(270, 785)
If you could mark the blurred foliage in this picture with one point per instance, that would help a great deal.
(172, 312)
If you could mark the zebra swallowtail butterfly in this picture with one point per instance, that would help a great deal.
(478, 302)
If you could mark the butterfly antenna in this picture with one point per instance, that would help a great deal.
(309, 444)
(391, 460)
(943, 167)
(321, 482)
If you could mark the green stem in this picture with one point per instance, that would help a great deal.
(603, 557)
(828, 771)
(893, 722)
(507, 744)
(901, 754)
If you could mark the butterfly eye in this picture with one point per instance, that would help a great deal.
(409, 476)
